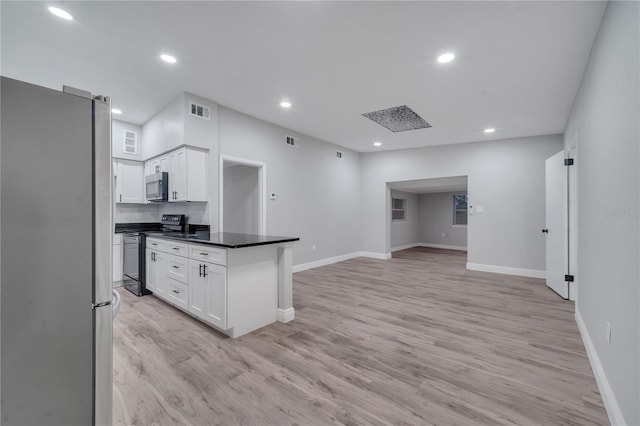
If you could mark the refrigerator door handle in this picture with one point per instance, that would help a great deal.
(102, 202)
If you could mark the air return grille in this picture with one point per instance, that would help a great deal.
(199, 110)
(291, 141)
(130, 145)
(398, 119)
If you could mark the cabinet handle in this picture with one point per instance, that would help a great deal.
(204, 254)
(120, 197)
(176, 291)
(175, 248)
(200, 269)
(204, 267)
(175, 267)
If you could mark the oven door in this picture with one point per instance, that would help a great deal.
(131, 266)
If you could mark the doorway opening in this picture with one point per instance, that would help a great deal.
(430, 212)
(242, 196)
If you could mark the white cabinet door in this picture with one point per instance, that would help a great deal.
(117, 262)
(150, 271)
(197, 293)
(130, 182)
(215, 294)
(156, 276)
(159, 164)
(178, 175)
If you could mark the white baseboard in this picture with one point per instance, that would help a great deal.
(533, 273)
(323, 262)
(443, 246)
(406, 246)
(440, 246)
(286, 315)
(381, 256)
(330, 260)
(608, 398)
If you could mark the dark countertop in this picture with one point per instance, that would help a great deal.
(224, 239)
(137, 227)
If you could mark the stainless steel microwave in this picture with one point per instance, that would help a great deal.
(157, 187)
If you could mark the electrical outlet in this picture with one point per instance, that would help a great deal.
(608, 333)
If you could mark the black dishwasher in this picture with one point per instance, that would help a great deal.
(133, 263)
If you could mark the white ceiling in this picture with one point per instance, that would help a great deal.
(517, 69)
(428, 186)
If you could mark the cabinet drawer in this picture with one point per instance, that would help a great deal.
(208, 254)
(178, 268)
(178, 293)
(157, 244)
(177, 248)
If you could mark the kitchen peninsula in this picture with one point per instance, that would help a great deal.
(236, 283)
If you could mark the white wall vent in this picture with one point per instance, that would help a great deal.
(339, 155)
(130, 145)
(199, 110)
(291, 141)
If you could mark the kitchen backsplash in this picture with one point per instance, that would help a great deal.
(130, 213)
(197, 213)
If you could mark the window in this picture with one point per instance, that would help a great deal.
(398, 209)
(460, 210)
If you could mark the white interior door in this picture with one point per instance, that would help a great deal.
(556, 224)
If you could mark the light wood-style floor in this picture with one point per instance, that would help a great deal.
(415, 340)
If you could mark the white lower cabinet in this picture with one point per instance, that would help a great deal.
(117, 258)
(208, 292)
(156, 279)
(177, 293)
(233, 290)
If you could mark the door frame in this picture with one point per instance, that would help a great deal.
(262, 190)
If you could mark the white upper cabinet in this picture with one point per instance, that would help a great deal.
(187, 175)
(129, 182)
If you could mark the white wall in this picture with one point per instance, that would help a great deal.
(407, 232)
(173, 127)
(506, 177)
(241, 199)
(318, 195)
(605, 123)
(117, 140)
(436, 220)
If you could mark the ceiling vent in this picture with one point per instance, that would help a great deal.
(291, 141)
(199, 110)
(398, 119)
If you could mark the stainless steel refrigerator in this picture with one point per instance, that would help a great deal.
(55, 230)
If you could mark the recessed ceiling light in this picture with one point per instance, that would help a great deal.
(446, 57)
(377, 144)
(285, 104)
(116, 111)
(489, 130)
(168, 58)
(61, 13)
